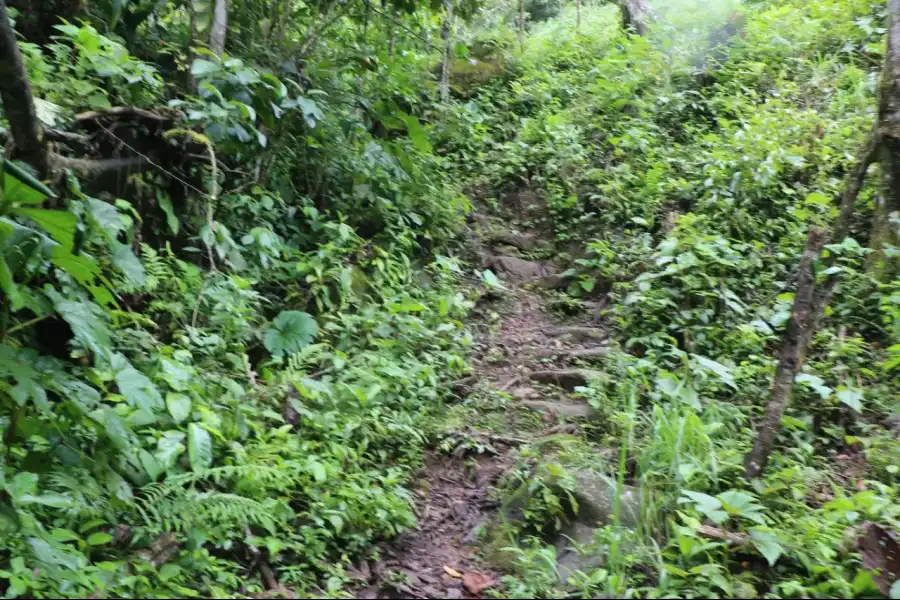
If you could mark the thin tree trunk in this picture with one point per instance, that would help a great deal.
(884, 230)
(192, 39)
(636, 14)
(793, 354)
(219, 27)
(18, 103)
(883, 144)
(392, 44)
(283, 19)
(446, 37)
(521, 25)
(578, 20)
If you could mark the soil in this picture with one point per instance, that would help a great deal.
(440, 557)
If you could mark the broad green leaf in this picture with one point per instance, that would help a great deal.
(169, 571)
(29, 389)
(850, 397)
(337, 521)
(179, 406)
(201, 66)
(9, 287)
(105, 215)
(668, 384)
(98, 539)
(82, 268)
(168, 448)
(88, 324)
(136, 387)
(165, 203)
(177, 375)
(55, 555)
(118, 487)
(60, 224)
(128, 263)
(766, 542)
(200, 450)
(317, 470)
(291, 331)
(81, 394)
(21, 187)
(47, 112)
(416, 133)
(22, 484)
(719, 369)
(150, 464)
(115, 427)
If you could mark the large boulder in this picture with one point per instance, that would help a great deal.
(519, 269)
(596, 495)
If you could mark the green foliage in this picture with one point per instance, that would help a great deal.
(237, 354)
(689, 165)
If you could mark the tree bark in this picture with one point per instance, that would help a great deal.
(446, 37)
(884, 229)
(18, 103)
(578, 19)
(521, 25)
(392, 44)
(636, 14)
(793, 354)
(219, 29)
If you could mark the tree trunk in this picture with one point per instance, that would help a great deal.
(18, 103)
(636, 14)
(283, 16)
(578, 19)
(793, 354)
(392, 44)
(882, 144)
(219, 27)
(885, 229)
(37, 18)
(192, 39)
(521, 25)
(446, 37)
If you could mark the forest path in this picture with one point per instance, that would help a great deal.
(524, 357)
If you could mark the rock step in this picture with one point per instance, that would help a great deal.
(576, 353)
(567, 409)
(566, 379)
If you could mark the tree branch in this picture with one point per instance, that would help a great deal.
(122, 111)
(18, 103)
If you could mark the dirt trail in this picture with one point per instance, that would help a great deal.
(439, 558)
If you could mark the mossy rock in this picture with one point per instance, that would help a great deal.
(468, 72)
(595, 494)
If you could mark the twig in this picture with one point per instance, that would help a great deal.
(56, 135)
(197, 305)
(25, 324)
(122, 111)
(503, 439)
(716, 533)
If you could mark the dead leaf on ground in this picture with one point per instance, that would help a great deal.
(476, 583)
(880, 554)
(452, 572)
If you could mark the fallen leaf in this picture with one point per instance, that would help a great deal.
(452, 572)
(881, 555)
(475, 583)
